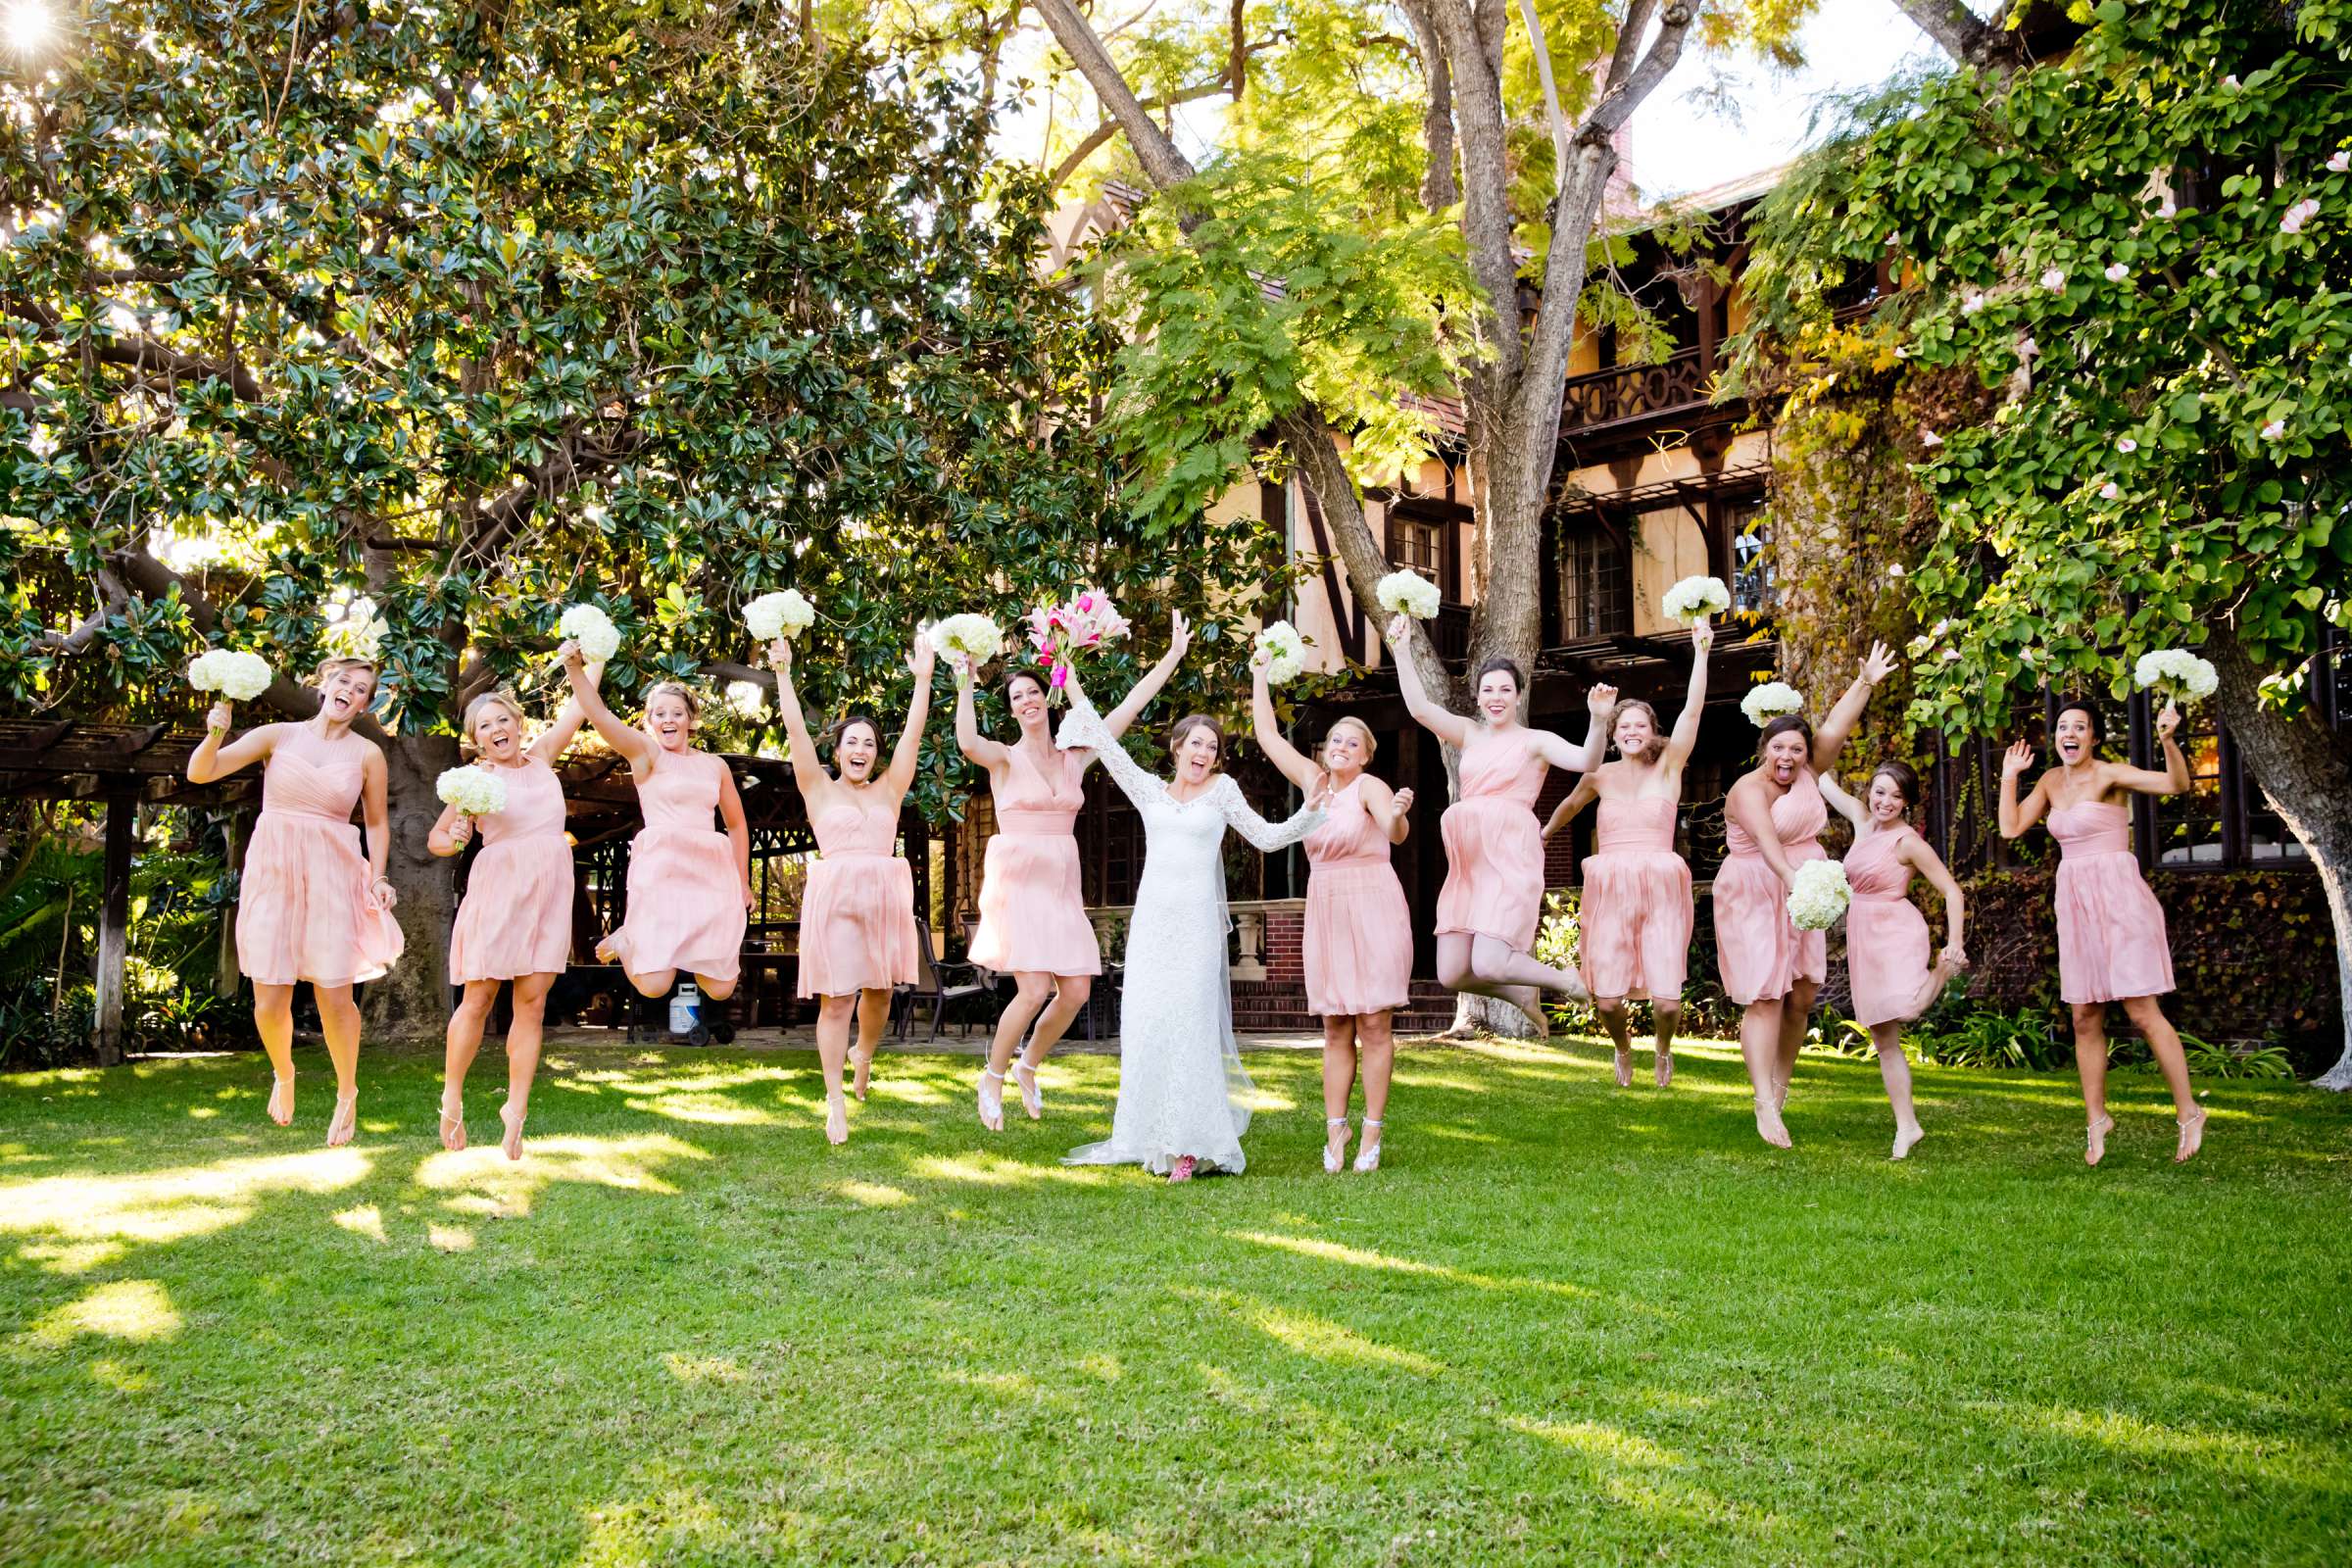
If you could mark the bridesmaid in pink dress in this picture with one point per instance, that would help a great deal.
(514, 922)
(1359, 944)
(1886, 936)
(2112, 944)
(1494, 893)
(309, 908)
(1634, 921)
(858, 934)
(690, 885)
(1033, 921)
(1773, 819)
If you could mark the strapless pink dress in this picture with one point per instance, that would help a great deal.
(1359, 945)
(685, 890)
(1032, 905)
(515, 918)
(1493, 846)
(858, 915)
(2111, 943)
(1634, 921)
(1888, 952)
(1759, 952)
(306, 902)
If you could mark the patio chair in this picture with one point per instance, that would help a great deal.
(940, 984)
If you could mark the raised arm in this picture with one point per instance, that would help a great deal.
(1139, 696)
(2016, 819)
(1386, 808)
(212, 760)
(1684, 738)
(1584, 795)
(1747, 805)
(1450, 727)
(376, 813)
(2175, 778)
(1837, 796)
(1921, 857)
(556, 739)
(808, 768)
(1838, 727)
(739, 832)
(978, 749)
(1082, 729)
(634, 746)
(1288, 759)
(921, 660)
(1263, 834)
(1587, 755)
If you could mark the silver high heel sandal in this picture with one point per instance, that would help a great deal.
(1367, 1153)
(1333, 1158)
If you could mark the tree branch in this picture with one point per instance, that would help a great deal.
(1153, 148)
(1557, 120)
(1488, 222)
(1102, 132)
(143, 354)
(1960, 33)
(1439, 189)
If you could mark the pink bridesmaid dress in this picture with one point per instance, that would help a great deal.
(1359, 930)
(1032, 905)
(1759, 952)
(685, 891)
(1493, 846)
(1888, 952)
(515, 918)
(306, 902)
(2112, 944)
(858, 916)
(1636, 916)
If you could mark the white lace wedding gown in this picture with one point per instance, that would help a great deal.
(1180, 1085)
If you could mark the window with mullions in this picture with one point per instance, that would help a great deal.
(1418, 546)
(1593, 597)
(1751, 561)
(2189, 825)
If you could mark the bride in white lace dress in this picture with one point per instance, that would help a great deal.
(1182, 1091)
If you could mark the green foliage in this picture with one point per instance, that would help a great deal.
(2206, 1060)
(2147, 451)
(1989, 1038)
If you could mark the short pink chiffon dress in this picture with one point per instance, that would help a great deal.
(1634, 921)
(2112, 944)
(1759, 952)
(685, 890)
(1032, 905)
(1493, 846)
(1359, 930)
(306, 901)
(1888, 952)
(515, 918)
(858, 916)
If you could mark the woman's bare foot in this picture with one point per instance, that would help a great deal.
(2192, 1138)
(2095, 1146)
(1530, 1001)
(1771, 1128)
(281, 1101)
(1181, 1170)
(1625, 1067)
(512, 1142)
(862, 1068)
(837, 1120)
(1906, 1138)
(453, 1121)
(1024, 1077)
(991, 1100)
(1664, 1071)
(346, 1124)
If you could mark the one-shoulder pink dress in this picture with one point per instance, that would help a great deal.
(2112, 944)
(1759, 952)
(858, 915)
(1032, 905)
(1888, 952)
(1634, 921)
(1359, 930)
(306, 902)
(685, 890)
(1493, 846)
(515, 918)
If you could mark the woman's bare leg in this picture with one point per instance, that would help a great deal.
(1665, 1016)
(1796, 1012)
(1375, 1042)
(873, 1017)
(523, 1036)
(1339, 1085)
(1760, 1048)
(1072, 993)
(656, 984)
(1895, 1071)
(1032, 990)
(339, 1021)
(273, 1021)
(717, 990)
(1612, 1018)
(833, 1015)
(458, 1046)
(2164, 1043)
(2091, 1065)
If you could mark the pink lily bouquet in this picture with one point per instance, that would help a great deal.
(1061, 634)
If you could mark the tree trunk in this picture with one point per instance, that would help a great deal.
(411, 1002)
(2306, 774)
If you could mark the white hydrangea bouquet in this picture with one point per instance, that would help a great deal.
(786, 612)
(1061, 633)
(1408, 593)
(1695, 599)
(2178, 674)
(593, 629)
(1770, 701)
(238, 677)
(1284, 651)
(1817, 897)
(968, 640)
(475, 791)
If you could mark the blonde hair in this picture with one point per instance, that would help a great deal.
(335, 663)
(1362, 730)
(501, 698)
(678, 689)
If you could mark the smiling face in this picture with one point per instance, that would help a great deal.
(1497, 697)
(1886, 803)
(497, 732)
(1197, 753)
(2076, 736)
(855, 751)
(1785, 757)
(1345, 753)
(344, 692)
(669, 718)
(1635, 732)
(1025, 696)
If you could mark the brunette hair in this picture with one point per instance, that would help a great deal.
(1032, 677)
(2085, 706)
(497, 699)
(1627, 706)
(1190, 722)
(1906, 781)
(681, 690)
(1783, 725)
(1351, 721)
(851, 720)
(1500, 664)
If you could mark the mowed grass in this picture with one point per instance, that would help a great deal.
(1567, 1324)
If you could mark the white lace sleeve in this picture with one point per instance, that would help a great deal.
(1263, 834)
(1083, 729)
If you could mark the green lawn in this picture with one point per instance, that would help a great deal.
(1568, 1324)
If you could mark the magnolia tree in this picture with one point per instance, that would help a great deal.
(2140, 250)
(406, 326)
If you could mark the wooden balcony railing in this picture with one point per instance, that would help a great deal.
(1629, 392)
